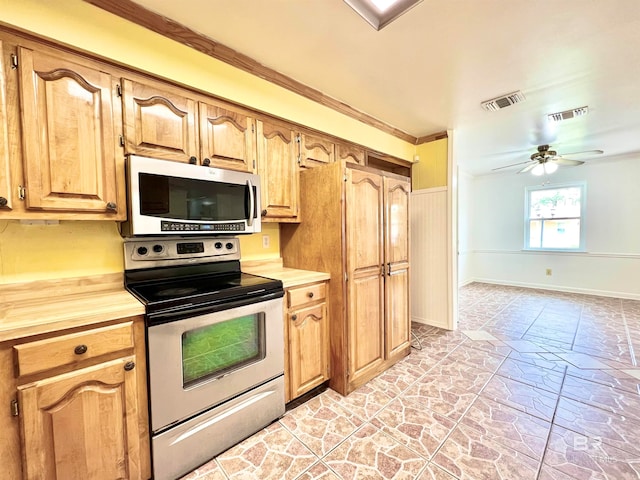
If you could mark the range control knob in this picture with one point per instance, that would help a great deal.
(229, 245)
(158, 248)
(143, 250)
(218, 245)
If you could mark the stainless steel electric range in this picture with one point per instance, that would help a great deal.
(215, 347)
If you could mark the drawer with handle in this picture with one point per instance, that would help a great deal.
(42, 355)
(308, 293)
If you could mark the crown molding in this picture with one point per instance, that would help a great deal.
(166, 27)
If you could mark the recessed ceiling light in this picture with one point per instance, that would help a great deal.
(380, 13)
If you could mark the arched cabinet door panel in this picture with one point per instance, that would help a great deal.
(70, 122)
(82, 425)
(278, 170)
(159, 122)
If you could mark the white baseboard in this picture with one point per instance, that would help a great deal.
(433, 323)
(560, 288)
(466, 282)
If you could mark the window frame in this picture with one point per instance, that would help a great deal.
(582, 185)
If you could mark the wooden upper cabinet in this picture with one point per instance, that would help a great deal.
(5, 178)
(397, 317)
(159, 121)
(350, 153)
(69, 127)
(82, 424)
(227, 138)
(315, 150)
(278, 170)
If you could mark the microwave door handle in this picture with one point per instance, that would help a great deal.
(252, 202)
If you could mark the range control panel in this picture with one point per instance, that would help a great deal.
(147, 253)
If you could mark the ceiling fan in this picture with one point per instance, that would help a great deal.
(546, 161)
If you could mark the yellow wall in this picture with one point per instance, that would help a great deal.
(74, 249)
(431, 169)
(69, 249)
(29, 252)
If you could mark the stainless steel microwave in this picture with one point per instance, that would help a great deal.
(174, 198)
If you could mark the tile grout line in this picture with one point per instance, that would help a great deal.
(551, 424)
(628, 335)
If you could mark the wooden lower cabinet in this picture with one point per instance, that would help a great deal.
(83, 424)
(307, 331)
(82, 417)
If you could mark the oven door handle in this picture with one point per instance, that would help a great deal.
(252, 204)
(182, 312)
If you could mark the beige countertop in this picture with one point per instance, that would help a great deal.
(34, 308)
(45, 306)
(291, 277)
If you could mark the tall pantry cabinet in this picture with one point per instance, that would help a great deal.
(355, 226)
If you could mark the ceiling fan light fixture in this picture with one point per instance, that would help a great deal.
(380, 13)
(538, 170)
(544, 168)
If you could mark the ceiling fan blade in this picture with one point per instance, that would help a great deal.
(566, 161)
(586, 152)
(512, 165)
(529, 167)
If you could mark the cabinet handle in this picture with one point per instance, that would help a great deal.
(263, 213)
(294, 317)
(206, 162)
(310, 294)
(111, 206)
(3, 202)
(129, 366)
(193, 160)
(80, 349)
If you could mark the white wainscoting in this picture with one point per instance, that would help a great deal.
(593, 273)
(429, 258)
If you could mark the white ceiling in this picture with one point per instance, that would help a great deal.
(429, 70)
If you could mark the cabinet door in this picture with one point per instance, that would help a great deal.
(68, 135)
(5, 179)
(82, 425)
(159, 122)
(397, 318)
(278, 171)
(308, 349)
(350, 153)
(365, 298)
(227, 138)
(315, 151)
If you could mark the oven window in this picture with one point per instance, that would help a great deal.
(213, 350)
(192, 199)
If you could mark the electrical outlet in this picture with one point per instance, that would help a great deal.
(266, 241)
(548, 272)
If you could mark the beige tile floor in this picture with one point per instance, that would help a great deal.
(533, 385)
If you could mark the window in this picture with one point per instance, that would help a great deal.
(554, 217)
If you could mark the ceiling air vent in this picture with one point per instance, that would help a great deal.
(567, 114)
(503, 101)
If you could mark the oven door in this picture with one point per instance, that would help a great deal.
(199, 362)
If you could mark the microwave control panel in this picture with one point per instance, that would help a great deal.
(202, 227)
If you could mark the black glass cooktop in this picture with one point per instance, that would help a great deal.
(184, 288)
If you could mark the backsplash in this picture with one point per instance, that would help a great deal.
(81, 248)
